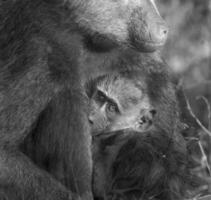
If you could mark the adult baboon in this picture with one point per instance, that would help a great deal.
(44, 47)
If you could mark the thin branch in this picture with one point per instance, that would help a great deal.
(204, 159)
(208, 108)
(197, 120)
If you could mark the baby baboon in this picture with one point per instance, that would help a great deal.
(134, 158)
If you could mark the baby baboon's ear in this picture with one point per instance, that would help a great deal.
(146, 118)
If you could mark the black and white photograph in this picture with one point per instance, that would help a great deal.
(105, 99)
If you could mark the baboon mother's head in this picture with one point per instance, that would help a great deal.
(132, 23)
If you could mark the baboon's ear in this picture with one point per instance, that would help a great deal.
(146, 119)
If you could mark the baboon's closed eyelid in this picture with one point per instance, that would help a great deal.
(100, 96)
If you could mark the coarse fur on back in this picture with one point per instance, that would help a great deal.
(151, 165)
(40, 79)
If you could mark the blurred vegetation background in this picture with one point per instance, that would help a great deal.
(188, 49)
(188, 52)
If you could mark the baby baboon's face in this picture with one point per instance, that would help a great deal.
(119, 103)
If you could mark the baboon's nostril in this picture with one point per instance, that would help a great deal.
(165, 31)
(90, 120)
(153, 112)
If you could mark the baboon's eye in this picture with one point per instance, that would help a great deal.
(112, 107)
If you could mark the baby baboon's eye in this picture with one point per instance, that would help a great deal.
(112, 107)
